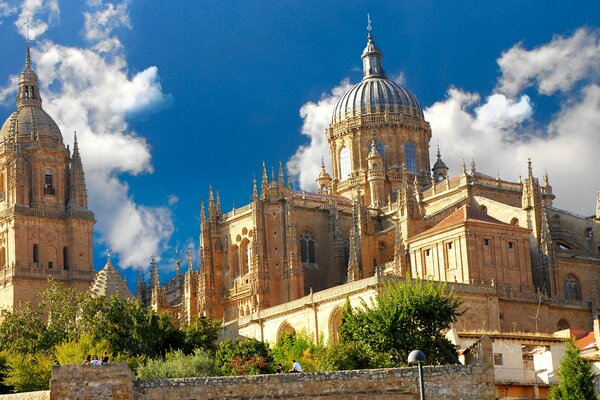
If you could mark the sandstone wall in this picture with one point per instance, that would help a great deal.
(41, 395)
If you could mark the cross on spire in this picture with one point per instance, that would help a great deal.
(28, 25)
(369, 28)
(108, 251)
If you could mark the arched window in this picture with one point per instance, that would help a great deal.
(344, 163)
(572, 291)
(2, 257)
(36, 253)
(563, 324)
(48, 182)
(379, 146)
(246, 257)
(307, 248)
(410, 156)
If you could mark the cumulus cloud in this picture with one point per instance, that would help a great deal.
(555, 66)
(501, 132)
(305, 164)
(36, 16)
(7, 92)
(92, 91)
(6, 9)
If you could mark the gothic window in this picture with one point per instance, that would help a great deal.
(410, 156)
(65, 257)
(2, 257)
(36, 253)
(344, 163)
(379, 146)
(572, 291)
(307, 248)
(245, 252)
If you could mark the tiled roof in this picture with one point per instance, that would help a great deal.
(323, 198)
(466, 213)
(588, 341)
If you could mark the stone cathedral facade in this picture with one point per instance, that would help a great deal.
(289, 259)
(46, 228)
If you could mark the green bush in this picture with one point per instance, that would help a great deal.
(28, 372)
(243, 357)
(179, 365)
(74, 352)
(299, 347)
(576, 377)
(350, 355)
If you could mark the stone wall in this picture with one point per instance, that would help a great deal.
(474, 381)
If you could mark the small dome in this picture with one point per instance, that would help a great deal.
(30, 122)
(376, 95)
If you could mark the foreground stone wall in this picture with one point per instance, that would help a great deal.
(474, 381)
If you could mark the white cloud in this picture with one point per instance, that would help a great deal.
(41, 14)
(172, 199)
(7, 93)
(496, 134)
(305, 164)
(555, 66)
(6, 9)
(92, 91)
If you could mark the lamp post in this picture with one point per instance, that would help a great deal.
(418, 357)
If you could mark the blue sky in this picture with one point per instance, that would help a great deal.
(169, 97)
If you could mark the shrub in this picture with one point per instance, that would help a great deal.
(350, 355)
(243, 357)
(178, 365)
(299, 347)
(28, 372)
(74, 352)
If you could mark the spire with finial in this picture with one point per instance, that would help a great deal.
(218, 204)
(29, 94)
(189, 259)
(177, 263)
(324, 180)
(254, 189)
(440, 170)
(463, 167)
(76, 179)
(264, 185)
(473, 171)
(372, 56)
(529, 168)
(280, 176)
(202, 212)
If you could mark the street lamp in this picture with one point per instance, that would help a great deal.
(418, 357)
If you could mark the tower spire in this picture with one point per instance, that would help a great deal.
(372, 56)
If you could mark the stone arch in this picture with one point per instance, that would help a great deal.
(563, 324)
(234, 255)
(335, 321)
(307, 248)
(285, 328)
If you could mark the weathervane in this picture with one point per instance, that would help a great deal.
(369, 25)
(108, 251)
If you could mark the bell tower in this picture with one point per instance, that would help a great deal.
(46, 229)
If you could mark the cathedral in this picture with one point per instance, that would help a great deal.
(289, 259)
(46, 229)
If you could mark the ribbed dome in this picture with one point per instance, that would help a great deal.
(376, 95)
(30, 122)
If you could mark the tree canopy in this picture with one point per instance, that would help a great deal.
(405, 316)
(576, 377)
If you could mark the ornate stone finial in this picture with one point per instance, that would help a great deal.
(546, 179)
(369, 27)
(463, 166)
(473, 167)
(498, 176)
(529, 168)
(438, 149)
(254, 189)
(520, 180)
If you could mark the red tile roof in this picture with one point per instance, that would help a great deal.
(466, 213)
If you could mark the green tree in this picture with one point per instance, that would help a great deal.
(243, 357)
(28, 372)
(22, 331)
(201, 333)
(406, 316)
(350, 355)
(576, 378)
(296, 346)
